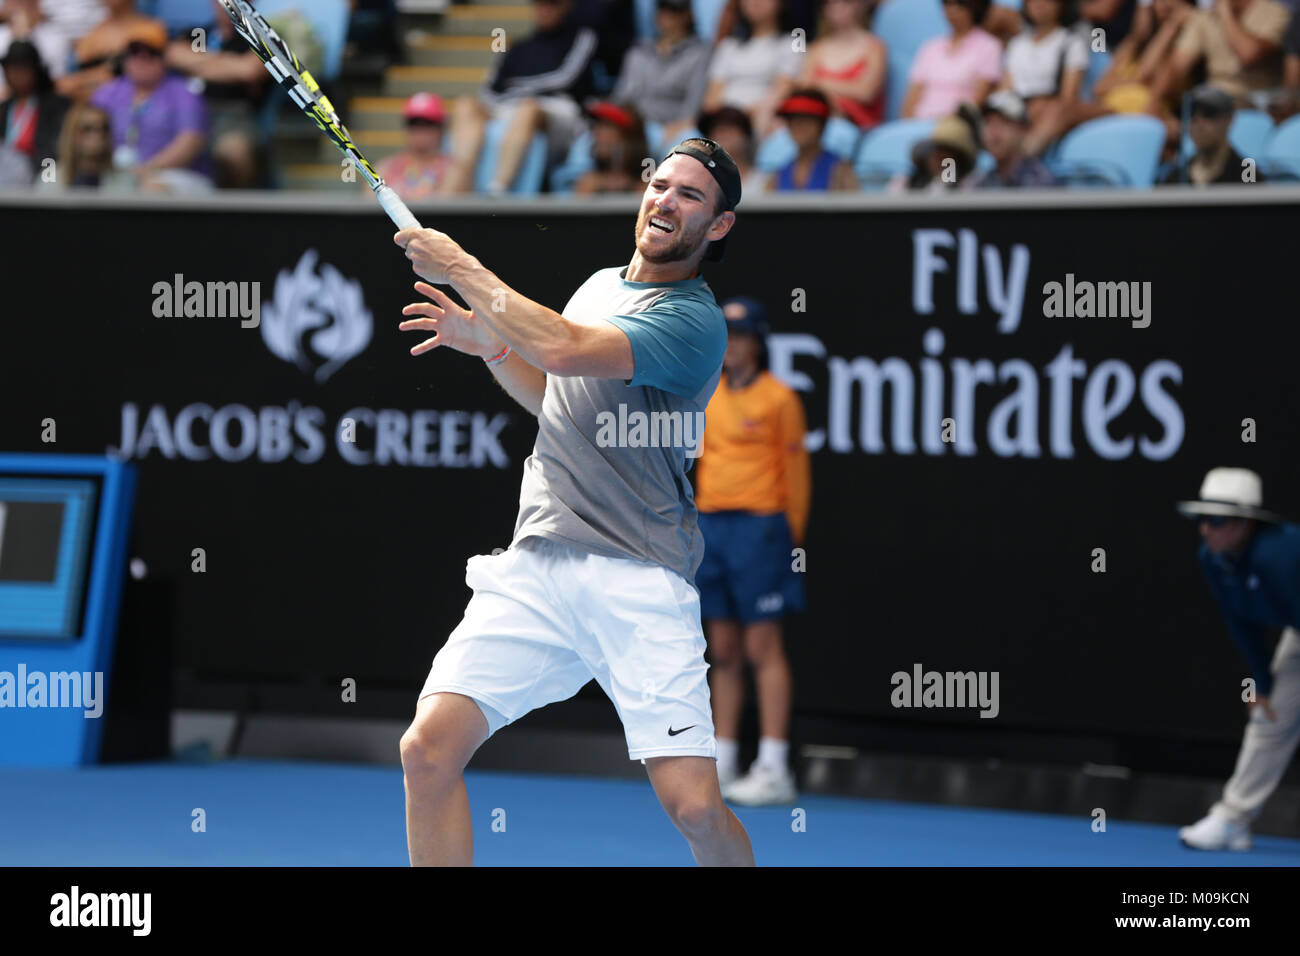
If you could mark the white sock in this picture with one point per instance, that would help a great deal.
(728, 751)
(772, 754)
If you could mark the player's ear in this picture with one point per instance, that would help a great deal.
(721, 225)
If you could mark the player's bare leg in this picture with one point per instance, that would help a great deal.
(447, 730)
(772, 680)
(687, 788)
(726, 677)
(525, 120)
(469, 120)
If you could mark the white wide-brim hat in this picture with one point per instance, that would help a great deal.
(1230, 493)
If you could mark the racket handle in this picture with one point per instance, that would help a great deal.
(396, 209)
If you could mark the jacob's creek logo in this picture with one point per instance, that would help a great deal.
(316, 320)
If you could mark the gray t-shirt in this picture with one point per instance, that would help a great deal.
(608, 472)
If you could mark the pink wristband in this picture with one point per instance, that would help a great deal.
(499, 357)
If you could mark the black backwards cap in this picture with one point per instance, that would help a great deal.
(724, 172)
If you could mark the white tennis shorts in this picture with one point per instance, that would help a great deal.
(546, 618)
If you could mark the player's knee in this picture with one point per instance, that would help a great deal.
(697, 816)
(426, 751)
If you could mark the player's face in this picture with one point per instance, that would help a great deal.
(1229, 537)
(676, 211)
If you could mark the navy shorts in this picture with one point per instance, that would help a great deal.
(747, 573)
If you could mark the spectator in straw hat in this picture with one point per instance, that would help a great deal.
(1251, 559)
(945, 160)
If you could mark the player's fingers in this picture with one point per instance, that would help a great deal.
(423, 308)
(444, 300)
(405, 236)
(425, 346)
(418, 325)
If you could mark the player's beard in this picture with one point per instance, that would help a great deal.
(684, 242)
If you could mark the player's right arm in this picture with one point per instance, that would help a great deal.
(463, 331)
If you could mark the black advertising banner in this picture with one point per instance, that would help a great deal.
(1003, 404)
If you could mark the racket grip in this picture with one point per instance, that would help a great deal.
(396, 209)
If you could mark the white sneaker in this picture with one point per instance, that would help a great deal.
(1216, 832)
(727, 776)
(762, 787)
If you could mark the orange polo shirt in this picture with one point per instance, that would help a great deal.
(754, 457)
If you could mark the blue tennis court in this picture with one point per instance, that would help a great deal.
(275, 813)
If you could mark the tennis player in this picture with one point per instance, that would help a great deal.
(598, 579)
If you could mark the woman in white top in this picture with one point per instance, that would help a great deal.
(1045, 66)
(757, 73)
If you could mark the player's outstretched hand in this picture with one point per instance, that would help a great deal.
(453, 326)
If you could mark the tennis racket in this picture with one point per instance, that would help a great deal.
(306, 93)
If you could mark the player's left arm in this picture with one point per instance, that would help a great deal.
(541, 336)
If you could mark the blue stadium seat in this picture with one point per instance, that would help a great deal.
(904, 25)
(1248, 134)
(576, 163)
(887, 151)
(1098, 64)
(707, 14)
(645, 19)
(329, 17)
(1114, 150)
(654, 137)
(184, 14)
(778, 150)
(528, 181)
(1282, 152)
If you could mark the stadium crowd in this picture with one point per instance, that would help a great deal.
(96, 93)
